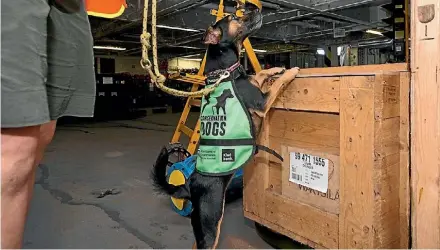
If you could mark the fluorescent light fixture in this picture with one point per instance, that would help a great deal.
(176, 28)
(193, 59)
(320, 52)
(109, 48)
(180, 46)
(188, 47)
(191, 55)
(375, 32)
(256, 50)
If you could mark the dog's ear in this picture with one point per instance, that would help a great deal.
(212, 36)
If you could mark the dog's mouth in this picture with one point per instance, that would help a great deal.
(253, 21)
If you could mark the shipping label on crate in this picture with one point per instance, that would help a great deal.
(309, 170)
(314, 182)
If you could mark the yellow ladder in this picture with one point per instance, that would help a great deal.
(199, 80)
(193, 134)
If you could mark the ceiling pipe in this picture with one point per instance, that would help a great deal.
(315, 12)
(376, 43)
(348, 28)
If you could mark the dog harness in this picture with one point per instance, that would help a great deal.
(227, 139)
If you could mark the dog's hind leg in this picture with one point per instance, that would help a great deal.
(208, 209)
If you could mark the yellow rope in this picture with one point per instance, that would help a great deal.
(156, 77)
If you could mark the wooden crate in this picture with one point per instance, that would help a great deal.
(357, 118)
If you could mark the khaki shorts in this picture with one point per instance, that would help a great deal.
(47, 64)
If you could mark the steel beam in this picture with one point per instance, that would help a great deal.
(345, 4)
(194, 19)
(200, 19)
(111, 28)
(315, 9)
(323, 33)
(187, 40)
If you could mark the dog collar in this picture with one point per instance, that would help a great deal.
(220, 71)
(233, 67)
(213, 76)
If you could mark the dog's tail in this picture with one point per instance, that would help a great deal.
(158, 175)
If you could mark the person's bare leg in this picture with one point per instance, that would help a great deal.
(22, 151)
(47, 132)
(19, 148)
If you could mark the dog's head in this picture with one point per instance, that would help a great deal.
(231, 31)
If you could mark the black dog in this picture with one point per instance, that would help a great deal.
(207, 193)
(221, 101)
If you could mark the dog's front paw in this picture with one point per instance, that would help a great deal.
(291, 73)
(293, 70)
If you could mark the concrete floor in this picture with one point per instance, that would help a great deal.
(86, 158)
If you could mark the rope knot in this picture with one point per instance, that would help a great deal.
(145, 39)
(161, 78)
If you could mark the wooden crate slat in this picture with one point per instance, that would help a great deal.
(386, 202)
(307, 221)
(356, 157)
(386, 137)
(392, 67)
(275, 177)
(309, 94)
(404, 172)
(282, 230)
(256, 179)
(387, 96)
(425, 123)
(313, 131)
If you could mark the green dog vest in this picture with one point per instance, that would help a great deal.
(227, 140)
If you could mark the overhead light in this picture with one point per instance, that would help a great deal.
(375, 32)
(109, 48)
(181, 46)
(193, 59)
(320, 52)
(188, 47)
(176, 28)
(191, 55)
(257, 50)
